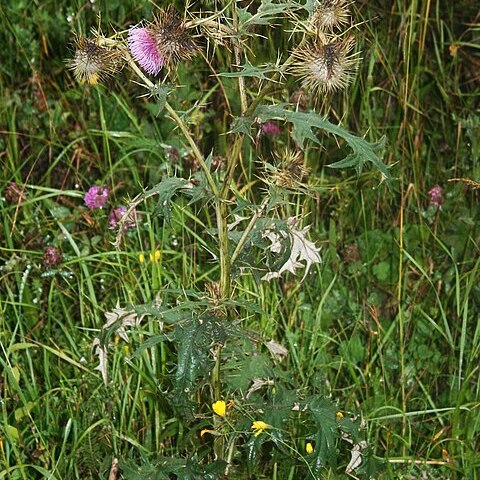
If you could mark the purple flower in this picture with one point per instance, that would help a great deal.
(271, 129)
(435, 195)
(117, 213)
(96, 197)
(51, 257)
(144, 50)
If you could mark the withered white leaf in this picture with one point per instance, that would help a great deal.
(302, 250)
(238, 219)
(125, 318)
(356, 459)
(279, 351)
(101, 352)
(257, 384)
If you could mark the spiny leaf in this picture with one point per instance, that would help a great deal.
(165, 190)
(324, 413)
(266, 13)
(303, 123)
(166, 467)
(194, 339)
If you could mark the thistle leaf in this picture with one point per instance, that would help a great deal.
(165, 190)
(303, 124)
(324, 413)
(266, 13)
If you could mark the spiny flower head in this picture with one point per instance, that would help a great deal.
(92, 62)
(96, 197)
(327, 64)
(163, 41)
(290, 171)
(330, 14)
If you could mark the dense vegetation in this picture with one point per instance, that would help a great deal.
(371, 354)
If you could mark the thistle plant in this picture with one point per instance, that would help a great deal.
(251, 234)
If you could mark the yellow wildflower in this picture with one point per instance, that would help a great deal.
(141, 258)
(339, 416)
(220, 408)
(259, 426)
(309, 448)
(155, 257)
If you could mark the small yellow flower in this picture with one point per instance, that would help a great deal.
(155, 257)
(309, 448)
(446, 456)
(141, 258)
(220, 408)
(259, 426)
(339, 416)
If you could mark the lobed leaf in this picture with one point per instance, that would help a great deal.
(303, 123)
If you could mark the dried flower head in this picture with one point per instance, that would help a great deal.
(51, 256)
(14, 193)
(164, 41)
(116, 217)
(91, 62)
(271, 129)
(96, 197)
(327, 65)
(299, 98)
(435, 195)
(330, 14)
(290, 172)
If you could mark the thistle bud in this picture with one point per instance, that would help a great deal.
(330, 14)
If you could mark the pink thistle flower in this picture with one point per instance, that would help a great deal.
(96, 197)
(117, 213)
(271, 129)
(51, 256)
(435, 195)
(164, 41)
(144, 50)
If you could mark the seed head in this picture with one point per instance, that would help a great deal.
(163, 41)
(326, 65)
(330, 14)
(91, 62)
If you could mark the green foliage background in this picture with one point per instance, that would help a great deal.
(387, 326)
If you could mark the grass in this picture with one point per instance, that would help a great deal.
(387, 326)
